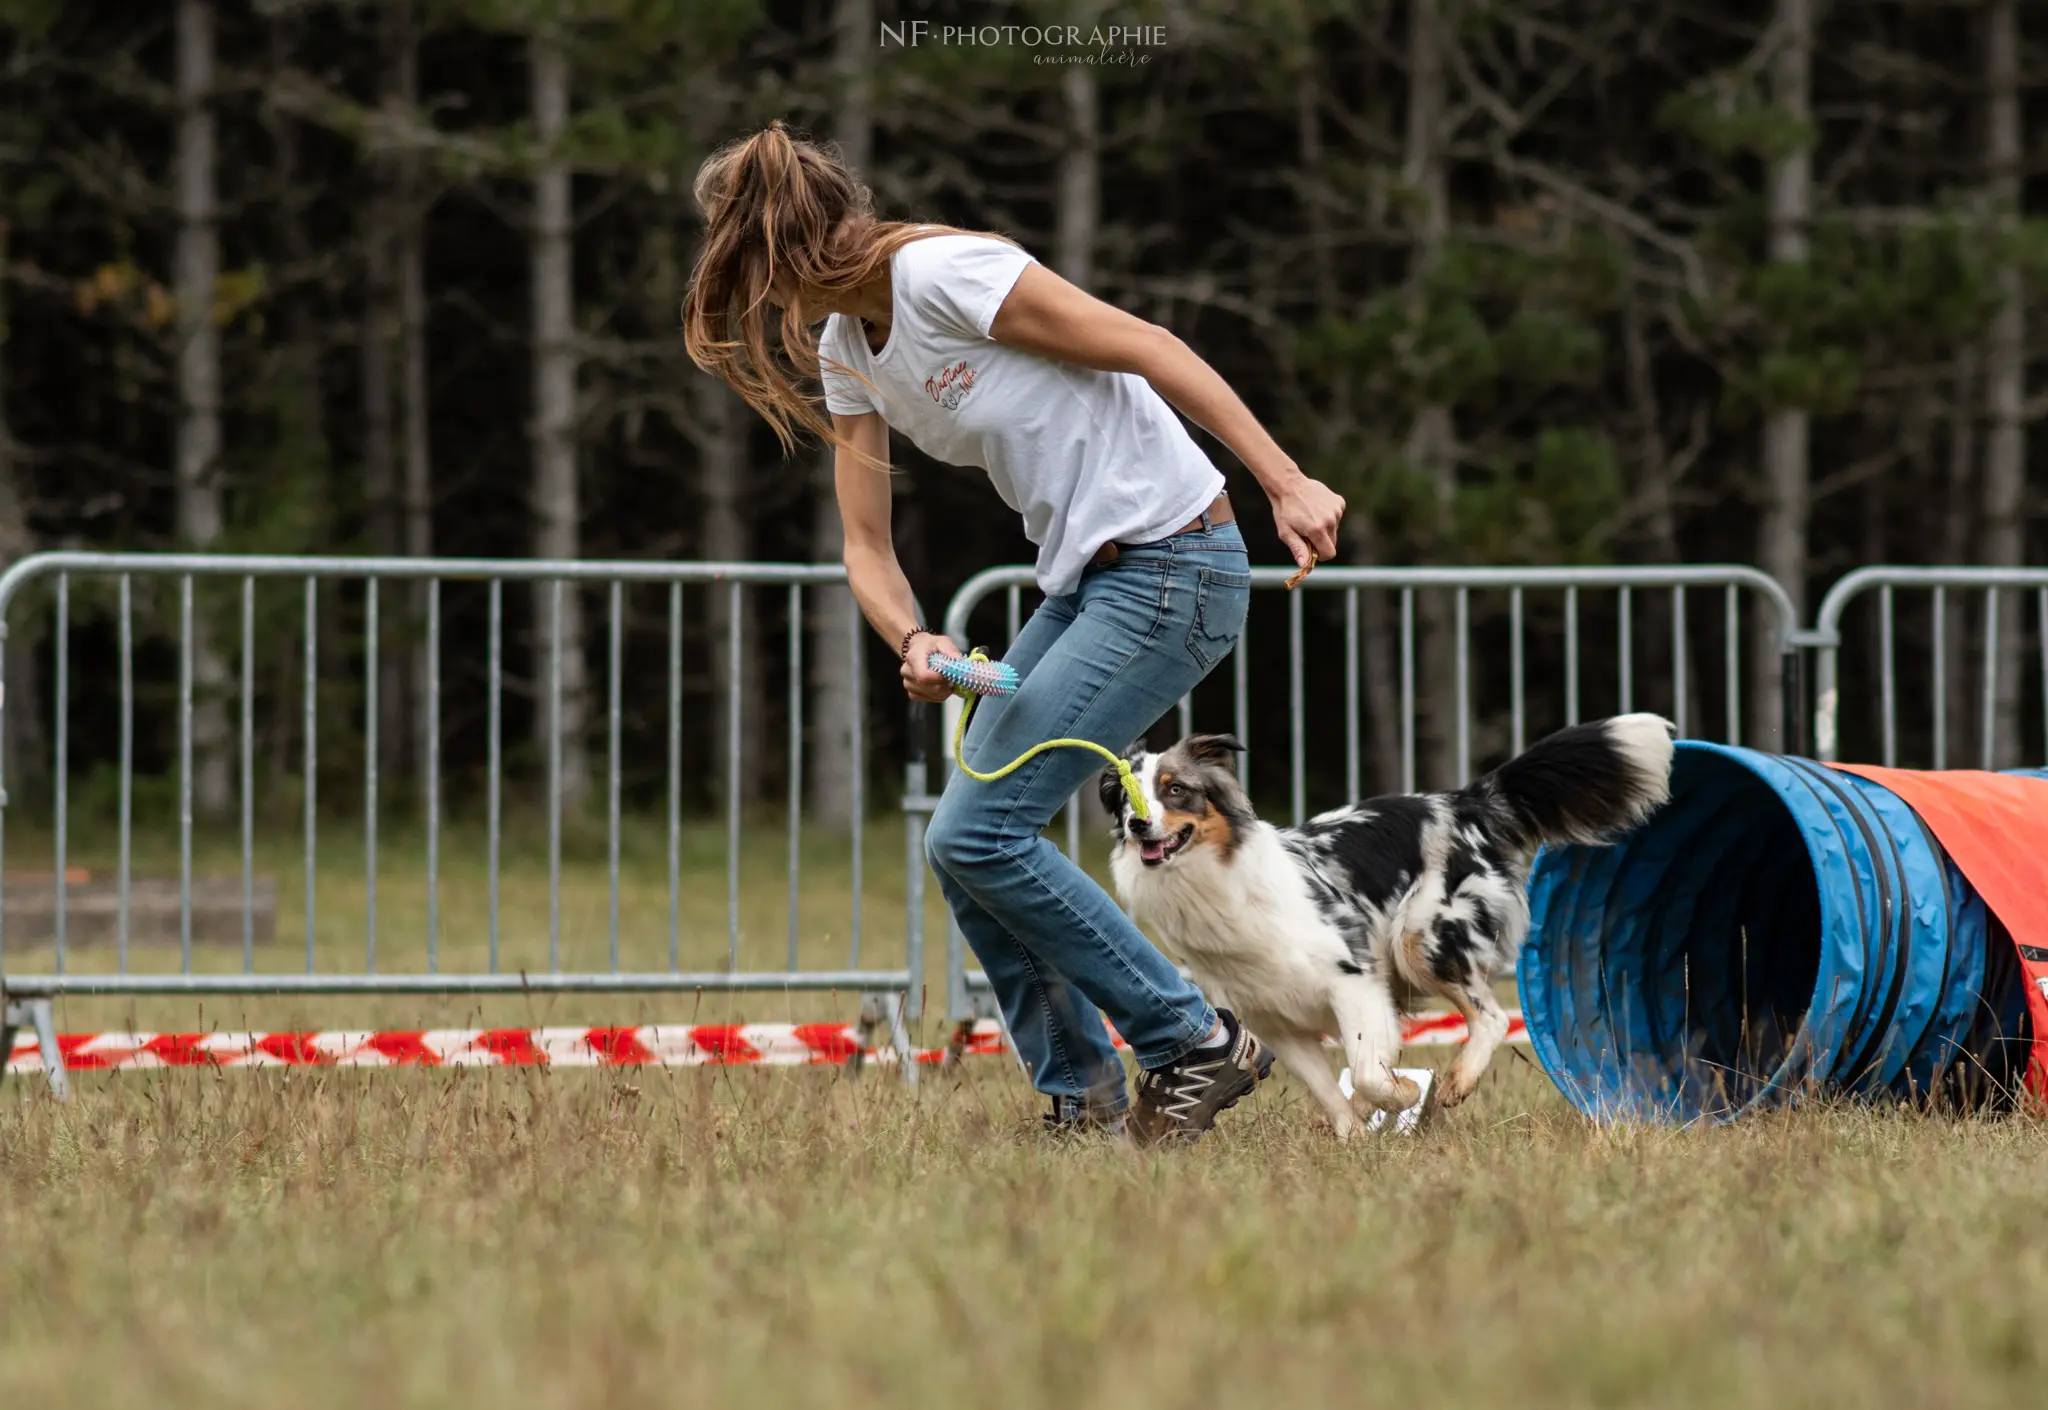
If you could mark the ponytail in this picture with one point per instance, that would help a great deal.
(780, 208)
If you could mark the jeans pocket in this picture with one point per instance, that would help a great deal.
(1221, 599)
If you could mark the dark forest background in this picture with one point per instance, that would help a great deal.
(1530, 281)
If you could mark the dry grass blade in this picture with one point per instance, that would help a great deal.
(561, 1239)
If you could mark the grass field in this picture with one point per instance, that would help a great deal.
(784, 1238)
(804, 1237)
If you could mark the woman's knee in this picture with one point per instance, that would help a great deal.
(961, 838)
(938, 843)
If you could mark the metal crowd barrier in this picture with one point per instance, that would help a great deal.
(890, 993)
(1947, 595)
(1530, 649)
(1525, 603)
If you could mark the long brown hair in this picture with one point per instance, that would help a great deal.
(777, 205)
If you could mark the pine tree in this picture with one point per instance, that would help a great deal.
(836, 679)
(380, 337)
(199, 466)
(2005, 451)
(1782, 541)
(1333, 427)
(24, 199)
(560, 665)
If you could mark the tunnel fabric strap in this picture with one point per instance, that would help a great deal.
(1995, 828)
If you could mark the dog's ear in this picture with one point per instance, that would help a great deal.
(1110, 788)
(1212, 748)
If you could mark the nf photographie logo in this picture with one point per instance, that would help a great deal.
(1050, 43)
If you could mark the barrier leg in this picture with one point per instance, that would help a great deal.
(899, 1034)
(39, 1015)
(873, 1008)
(877, 1010)
(1792, 689)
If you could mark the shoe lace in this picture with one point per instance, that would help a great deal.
(1176, 1088)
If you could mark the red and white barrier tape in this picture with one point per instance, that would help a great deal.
(661, 1045)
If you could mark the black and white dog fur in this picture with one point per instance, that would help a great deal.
(1341, 925)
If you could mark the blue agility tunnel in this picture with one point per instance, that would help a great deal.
(1780, 928)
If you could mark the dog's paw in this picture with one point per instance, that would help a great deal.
(1394, 1093)
(1404, 1092)
(1455, 1087)
(1338, 1127)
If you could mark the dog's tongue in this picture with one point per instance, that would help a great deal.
(1152, 848)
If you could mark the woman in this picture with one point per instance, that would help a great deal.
(984, 357)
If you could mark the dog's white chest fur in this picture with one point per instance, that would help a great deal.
(1245, 925)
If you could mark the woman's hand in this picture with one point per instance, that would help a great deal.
(920, 681)
(1306, 513)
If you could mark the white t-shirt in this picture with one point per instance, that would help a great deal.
(1087, 457)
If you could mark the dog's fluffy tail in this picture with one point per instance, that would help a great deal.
(1587, 784)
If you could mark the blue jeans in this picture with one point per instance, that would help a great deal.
(1102, 663)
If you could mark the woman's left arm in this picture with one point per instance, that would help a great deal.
(1045, 314)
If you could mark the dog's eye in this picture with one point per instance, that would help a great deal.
(1174, 790)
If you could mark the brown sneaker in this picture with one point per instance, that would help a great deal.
(1179, 1101)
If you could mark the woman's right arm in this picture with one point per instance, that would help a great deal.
(872, 571)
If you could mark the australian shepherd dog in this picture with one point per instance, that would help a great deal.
(1342, 925)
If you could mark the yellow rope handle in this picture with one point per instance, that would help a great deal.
(1122, 765)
